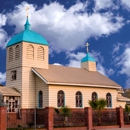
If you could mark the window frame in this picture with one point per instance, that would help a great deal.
(10, 54)
(110, 101)
(78, 97)
(12, 105)
(30, 53)
(62, 98)
(40, 53)
(17, 52)
(13, 75)
(94, 96)
(40, 99)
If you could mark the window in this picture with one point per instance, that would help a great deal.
(30, 52)
(12, 104)
(17, 52)
(60, 99)
(94, 96)
(78, 99)
(40, 53)
(40, 98)
(13, 75)
(11, 54)
(108, 99)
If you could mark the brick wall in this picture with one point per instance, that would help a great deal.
(81, 118)
(24, 117)
(3, 123)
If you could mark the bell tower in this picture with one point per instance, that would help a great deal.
(25, 50)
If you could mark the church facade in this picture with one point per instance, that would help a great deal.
(31, 82)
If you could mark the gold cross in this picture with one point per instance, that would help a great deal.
(87, 47)
(27, 8)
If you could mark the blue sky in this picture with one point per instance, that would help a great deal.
(67, 25)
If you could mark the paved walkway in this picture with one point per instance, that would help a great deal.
(115, 129)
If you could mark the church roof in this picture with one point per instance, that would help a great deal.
(27, 36)
(88, 57)
(8, 91)
(62, 75)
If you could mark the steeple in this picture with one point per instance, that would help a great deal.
(27, 24)
(88, 62)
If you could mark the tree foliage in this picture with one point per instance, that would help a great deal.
(127, 110)
(98, 105)
(65, 112)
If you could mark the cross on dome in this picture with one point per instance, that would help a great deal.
(87, 47)
(27, 8)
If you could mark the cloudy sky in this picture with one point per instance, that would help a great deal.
(67, 25)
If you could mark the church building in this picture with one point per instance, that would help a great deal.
(31, 82)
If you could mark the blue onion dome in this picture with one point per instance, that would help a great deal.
(27, 36)
(88, 58)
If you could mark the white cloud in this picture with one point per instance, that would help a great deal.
(99, 60)
(3, 34)
(122, 60)
(110, 71)
(125, 62)
(3, 19)
(2, 77)
(101, 69)
(57, 64)
(103, 4)
(127, 84)
(116, 48)
(65, 29)
(75, 61)
(126, 4)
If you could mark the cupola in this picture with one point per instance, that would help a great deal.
(88, 62)
(27, 36)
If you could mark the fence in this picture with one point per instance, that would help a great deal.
(81, 119)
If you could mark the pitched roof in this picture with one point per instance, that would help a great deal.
(122, 98)
(8, 91)
(74, 76)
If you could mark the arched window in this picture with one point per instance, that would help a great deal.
(30, 52)
(109, 100)
(40, 53)
(94, 96)
(78, 99)
(11, 54)
(17, 52)
(60, 99)
(40, 99)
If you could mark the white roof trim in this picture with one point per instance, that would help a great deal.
(71, 84)
(39, 76)
(121, 99)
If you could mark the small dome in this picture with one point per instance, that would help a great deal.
(88, 58)
(27, 36)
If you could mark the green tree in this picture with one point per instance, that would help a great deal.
(98, 105)
(127, 110)
(65, 112)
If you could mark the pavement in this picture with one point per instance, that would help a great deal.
(115, 129)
